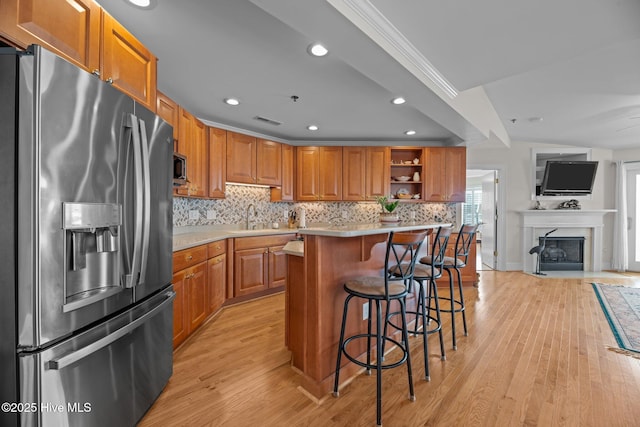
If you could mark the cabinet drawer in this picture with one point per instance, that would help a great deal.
(262, 241)
(217, 248)
(188, 257)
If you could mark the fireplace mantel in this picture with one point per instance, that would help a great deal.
(591, 221)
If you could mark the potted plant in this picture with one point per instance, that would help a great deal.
(388, 208)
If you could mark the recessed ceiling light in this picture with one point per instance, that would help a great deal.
(399, 100)
(316, 49)
(410, 132)
(231, 101)
(144, 4)
(312, 127)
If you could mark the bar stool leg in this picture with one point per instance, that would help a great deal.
(422, 309)
(453, 308)
(462, 306)
(369, 340)
(434, 288)
(405, 333)
(342, 328)
(379, 344)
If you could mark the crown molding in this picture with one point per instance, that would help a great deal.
(378, 23)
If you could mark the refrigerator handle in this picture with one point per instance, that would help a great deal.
(132, 278)
(146, 220)
(86, 351)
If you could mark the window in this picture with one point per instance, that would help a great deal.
(472, 206)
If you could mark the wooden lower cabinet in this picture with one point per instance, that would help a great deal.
(250, 274)
(189, 311)
(216, 290)
(259, 264)
(180, 328)
(199, 280)
(277, 267)
(197, 295)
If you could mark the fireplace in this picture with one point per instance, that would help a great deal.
(562, 253)
(581, 222)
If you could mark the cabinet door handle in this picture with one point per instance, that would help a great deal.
(189, 257)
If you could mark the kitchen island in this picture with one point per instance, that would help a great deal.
(317, 270)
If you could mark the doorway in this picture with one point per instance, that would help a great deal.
(481, 207)
(633, 211)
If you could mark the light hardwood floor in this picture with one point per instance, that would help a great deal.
(536, 354)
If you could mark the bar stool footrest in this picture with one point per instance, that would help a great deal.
(365, 365)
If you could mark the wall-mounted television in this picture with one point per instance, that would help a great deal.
(568, 178)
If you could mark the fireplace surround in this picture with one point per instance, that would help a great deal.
(570, 222)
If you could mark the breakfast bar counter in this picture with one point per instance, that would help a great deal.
(317, 270)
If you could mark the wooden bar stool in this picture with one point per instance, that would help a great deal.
(458, 261)
(423, 317)
(402, 250)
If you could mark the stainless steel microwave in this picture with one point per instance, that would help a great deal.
(179, 169)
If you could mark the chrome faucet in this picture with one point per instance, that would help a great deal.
(251, 224)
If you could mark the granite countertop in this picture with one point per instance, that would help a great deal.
(188, 237)
(354, 230)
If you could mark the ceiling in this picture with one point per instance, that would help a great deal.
(488, 73)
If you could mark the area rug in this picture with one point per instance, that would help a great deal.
(621, 306)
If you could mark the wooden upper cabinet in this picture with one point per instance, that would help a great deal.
(253, 160)
(127, 63)
(446, 170)
(241, 158)
(307, 173)
(318, 173)
(354, 173)
(286, 190)
(70, 28)
(217, 162)
(193, 143)
(168, 109)
(457, 173)
(365, 172)
(268, 162)
(330, 183)
(377, 172)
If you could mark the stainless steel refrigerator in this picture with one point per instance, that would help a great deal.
(86, 303)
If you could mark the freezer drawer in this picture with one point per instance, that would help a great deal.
(109, 375)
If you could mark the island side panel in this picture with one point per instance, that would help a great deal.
(330, 262)
(295, 307)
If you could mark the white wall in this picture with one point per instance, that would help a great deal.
(517, 178)
(632, 154)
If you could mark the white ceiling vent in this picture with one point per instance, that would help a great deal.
(267, 120)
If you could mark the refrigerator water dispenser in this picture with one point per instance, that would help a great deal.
(92, 252)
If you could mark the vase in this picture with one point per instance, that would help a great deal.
(389, 217)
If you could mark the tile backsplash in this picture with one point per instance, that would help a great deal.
(232, 209)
